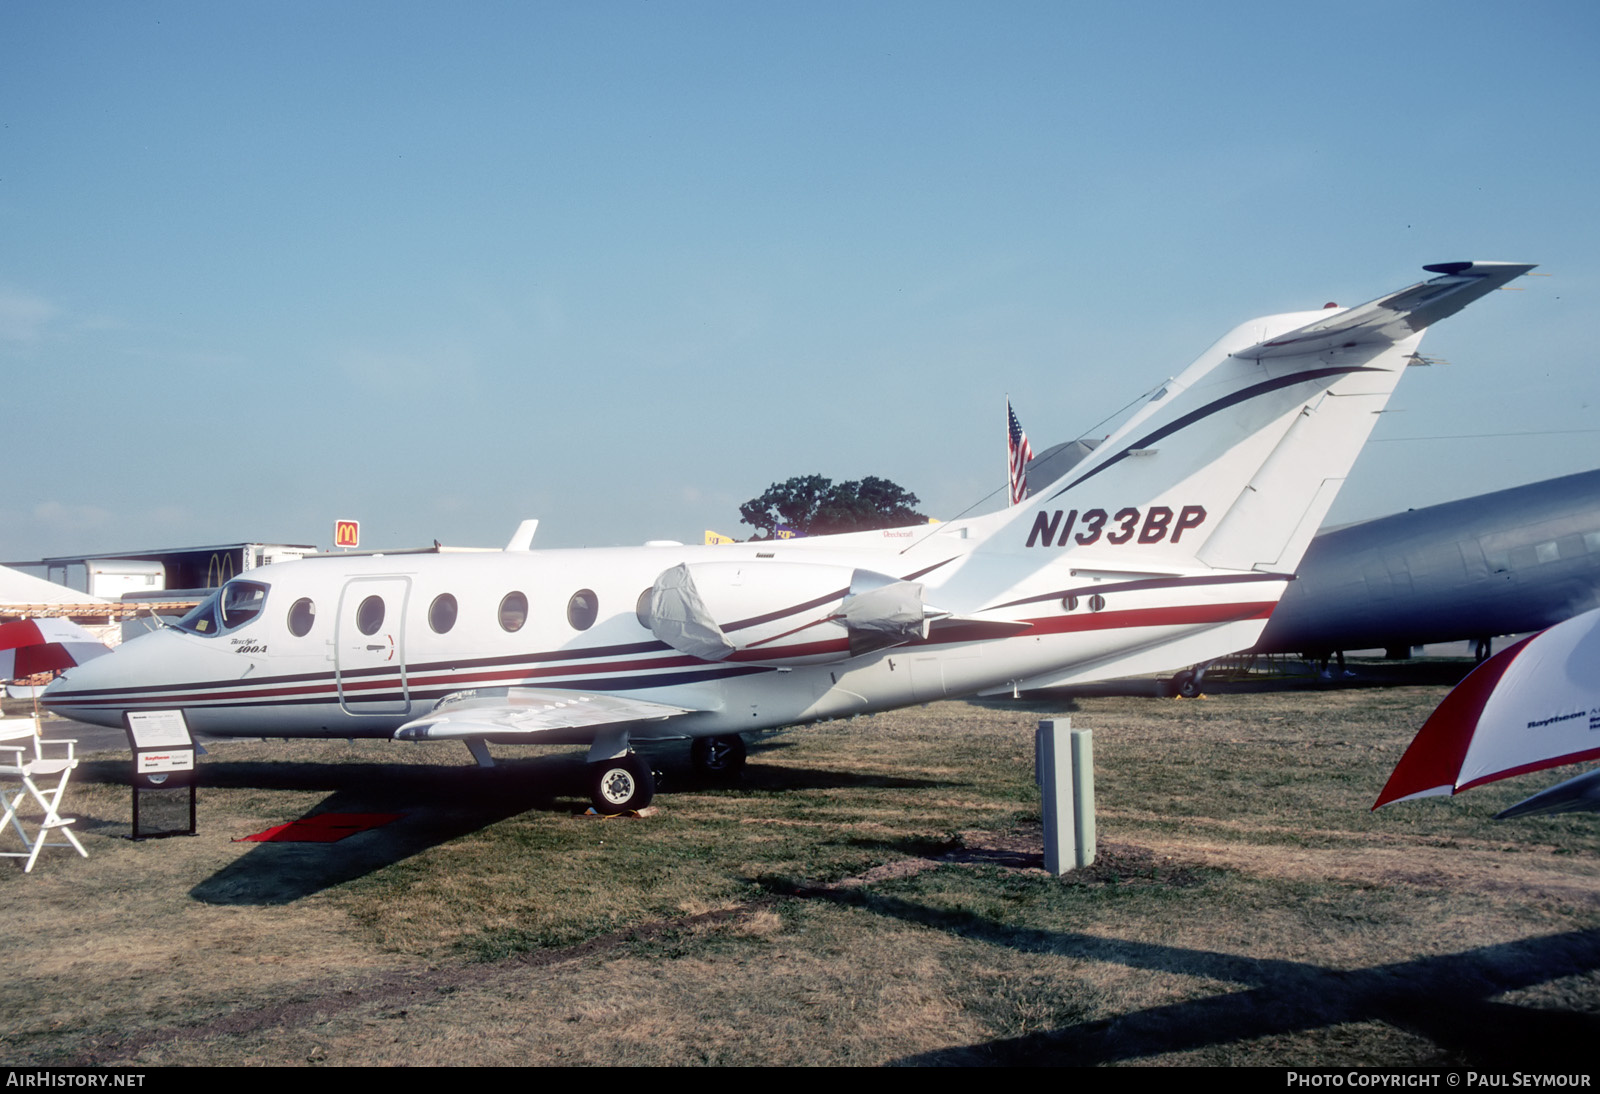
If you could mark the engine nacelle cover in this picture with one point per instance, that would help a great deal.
(782, 613)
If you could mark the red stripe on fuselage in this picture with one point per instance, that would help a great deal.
(591, 675)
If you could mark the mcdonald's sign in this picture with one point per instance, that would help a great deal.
(347, 533)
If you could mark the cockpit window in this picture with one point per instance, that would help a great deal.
(202, 618)
(241, 602)
(233, 605)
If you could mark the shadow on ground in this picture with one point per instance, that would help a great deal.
(437, 804)
(1447, 999)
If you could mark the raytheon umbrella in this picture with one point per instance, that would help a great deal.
(1534, 705)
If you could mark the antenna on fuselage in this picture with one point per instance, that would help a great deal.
(522, 539)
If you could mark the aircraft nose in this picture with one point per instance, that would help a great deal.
(99, 691)
(91, 675)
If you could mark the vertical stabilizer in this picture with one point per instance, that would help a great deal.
(1234, 463)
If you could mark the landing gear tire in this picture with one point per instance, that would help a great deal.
(718, 757)
(621, 785)
(1186, 685)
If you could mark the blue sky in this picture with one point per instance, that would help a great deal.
(619, 266)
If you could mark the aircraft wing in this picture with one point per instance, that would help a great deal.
(1397, 316)
(528, 712)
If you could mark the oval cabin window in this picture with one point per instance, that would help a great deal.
(583, 609)
(442, 613)
(369, 617)
(513, 611)
(302, 614)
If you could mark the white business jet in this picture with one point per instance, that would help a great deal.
(1168, 545)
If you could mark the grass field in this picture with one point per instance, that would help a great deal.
(871, 894)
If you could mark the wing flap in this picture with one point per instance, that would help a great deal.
(496, 712)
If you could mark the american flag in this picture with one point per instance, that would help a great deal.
(1018, 454)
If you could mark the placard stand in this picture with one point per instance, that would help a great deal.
(163, 773)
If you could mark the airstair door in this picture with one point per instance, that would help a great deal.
(369, 645)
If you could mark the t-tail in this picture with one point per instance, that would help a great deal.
(1234, 463)
(1226, 473)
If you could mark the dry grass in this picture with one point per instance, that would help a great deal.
(869, 895)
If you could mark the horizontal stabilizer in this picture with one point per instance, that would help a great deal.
(488, 712)
(1397, 316)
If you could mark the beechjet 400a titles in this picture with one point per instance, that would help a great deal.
(1169, 545)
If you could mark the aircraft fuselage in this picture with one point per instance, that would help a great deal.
(357, 646)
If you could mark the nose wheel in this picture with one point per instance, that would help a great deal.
(621, 785)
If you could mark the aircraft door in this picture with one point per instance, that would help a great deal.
(927, 677)
(369, 646)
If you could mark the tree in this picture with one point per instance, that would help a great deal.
(815, 506)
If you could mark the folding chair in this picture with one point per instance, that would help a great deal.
(25, 763)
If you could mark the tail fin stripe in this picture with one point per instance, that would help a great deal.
(1240, 396)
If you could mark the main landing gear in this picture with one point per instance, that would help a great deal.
(622, 784)
(1187, 683)
(620, 780)
(719, 759)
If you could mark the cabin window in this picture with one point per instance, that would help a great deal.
(442, 613)
(241, 601)
(583, 609)
(1069, 603)
(1096, 602)
(513, 611)
(641, 608)
(302, 613)
(369, 617)
(1546, 552)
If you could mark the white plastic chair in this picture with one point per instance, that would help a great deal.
(23, 760)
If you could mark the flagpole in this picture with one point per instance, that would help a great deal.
(1009, 502)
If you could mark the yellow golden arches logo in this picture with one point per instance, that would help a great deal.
(347, 533)
(218, 570)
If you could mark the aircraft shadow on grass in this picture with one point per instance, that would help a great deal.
(1447, 999)
(438, 804)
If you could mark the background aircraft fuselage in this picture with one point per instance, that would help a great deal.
(1502, 563)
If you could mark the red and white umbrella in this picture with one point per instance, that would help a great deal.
(1533, 705)
(29, 646)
